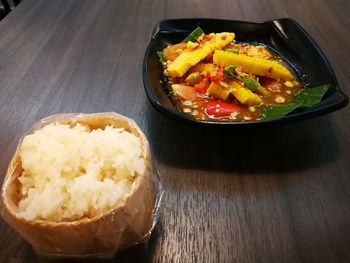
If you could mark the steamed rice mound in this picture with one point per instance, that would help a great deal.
(74, 172)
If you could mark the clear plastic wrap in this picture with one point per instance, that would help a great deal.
(101, 236)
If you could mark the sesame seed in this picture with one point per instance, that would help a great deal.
(280, 99)
(187, 110)
(251, 108)
(289, 84)
(234, 115)
(187, 103)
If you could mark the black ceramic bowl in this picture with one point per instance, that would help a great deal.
(285, 36)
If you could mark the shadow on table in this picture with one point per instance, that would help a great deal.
(287, 147)
(137, 253)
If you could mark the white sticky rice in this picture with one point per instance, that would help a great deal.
(72, 172)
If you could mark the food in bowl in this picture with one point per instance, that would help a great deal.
(210, 77)
(82, 186)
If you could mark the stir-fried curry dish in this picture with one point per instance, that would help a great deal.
(212, 77)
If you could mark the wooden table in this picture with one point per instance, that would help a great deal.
(266, 194)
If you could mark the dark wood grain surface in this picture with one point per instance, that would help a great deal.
(265, 194)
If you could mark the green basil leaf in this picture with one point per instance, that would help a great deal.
(161, 56)
(194, 35)
(250, 83)
(230, 70)
(309, 97)
(277, 111)
(305, 98)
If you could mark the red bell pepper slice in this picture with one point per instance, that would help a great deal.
(202, 86)
(219, 108)
(218, 76)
